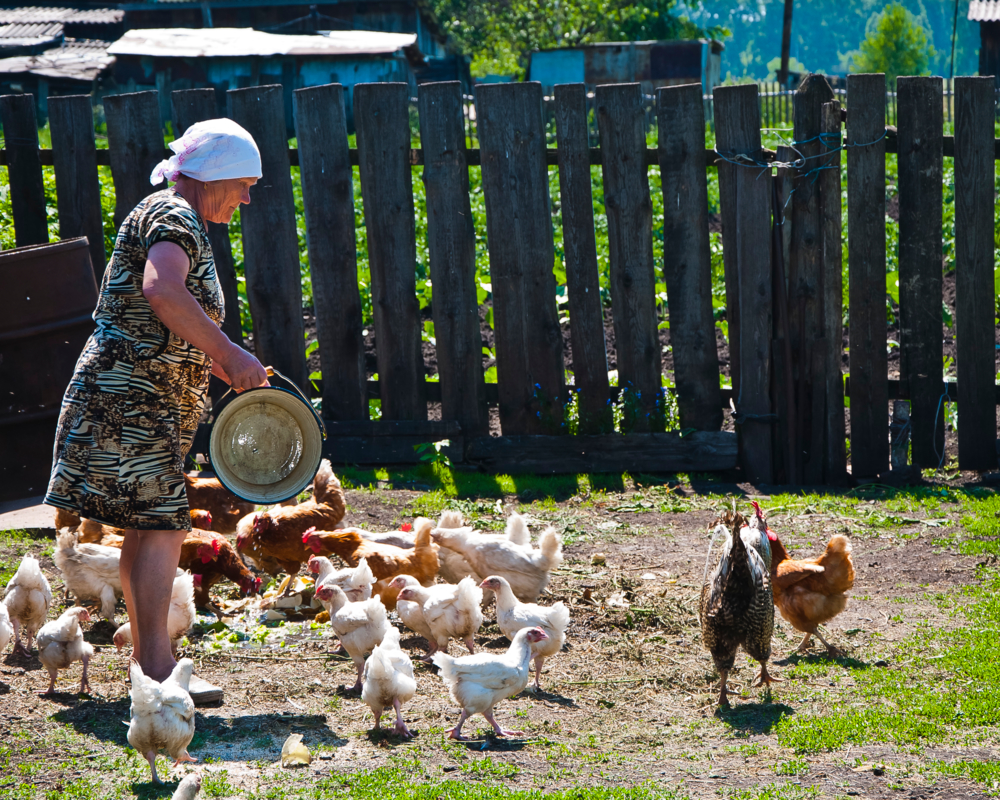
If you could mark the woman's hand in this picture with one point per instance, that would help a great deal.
(242, 370)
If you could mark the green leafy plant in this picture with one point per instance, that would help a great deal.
(433, 452)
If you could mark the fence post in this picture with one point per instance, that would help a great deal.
(78, 188)
(451, 240)
(270, 241)
(866, 283)
(24, 169)
(381, 114)
(921, 163)
(687, 261)
(974, 263)
(630, 252)
(522, 255)
(749, 240)
(136, 144)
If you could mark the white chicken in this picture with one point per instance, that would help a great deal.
(6, 629)
(188, 788)
(90, 571)
(526, 568)
(181, 614)
(162, 714)
(479, 682)
(513, 615)
(388, 681)
(356, 582)
(361, 626)
(60, 643)
(440, 612)
(27, 600)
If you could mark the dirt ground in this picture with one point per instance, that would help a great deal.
(630, 699)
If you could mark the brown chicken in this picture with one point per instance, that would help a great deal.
(225, 508)
(93, 532)
(272, 539)
(812, 591)
(211, 558)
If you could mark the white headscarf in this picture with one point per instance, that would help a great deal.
(213, 150)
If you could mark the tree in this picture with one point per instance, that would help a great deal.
(896, 44)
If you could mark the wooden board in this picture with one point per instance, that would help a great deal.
(519, 233)
(451, 240)
(359, 450)
(687, 262)
(328, 196)
(270, 241)
(866, 284)
(135, 142)
(78, 188)
(586, 314)
(381, 114)
(974, 263)
(24, 169)
(920, 163)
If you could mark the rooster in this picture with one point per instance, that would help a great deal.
(737, 606)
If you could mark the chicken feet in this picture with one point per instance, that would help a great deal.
(488, 713)
(763, 678)
(400, 728)
(539, 660)
(18, 645)
(831, 650)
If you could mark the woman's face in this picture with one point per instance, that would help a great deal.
(221, 198)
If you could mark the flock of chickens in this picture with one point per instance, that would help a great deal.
(400, 571)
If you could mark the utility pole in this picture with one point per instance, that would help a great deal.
(786, 43)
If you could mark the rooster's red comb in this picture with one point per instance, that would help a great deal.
(309, 532)
(216, 546)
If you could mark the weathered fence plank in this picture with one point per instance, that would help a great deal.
(586, 313)
(270, 242)
(621, 124)
(738, 134)
(451, 240)
(866, 282)
(328, 196)
(135, 142)
(78, 188)
(519, 233)
(24, 169)
(687, 262)
(381, 114)
(921, 163)
(974, 264)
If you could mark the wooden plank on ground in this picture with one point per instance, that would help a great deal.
(737, 117)
(974, 264)
(381, 114)
(621, 123)
(135, 142)
(519, 233)
(270, 241)
(687, 262)
(586, 313)
(451, 240)
(24, 169)
(866, 283)
(78, 188)
(920, 164)
(328, 196)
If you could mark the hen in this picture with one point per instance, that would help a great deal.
(210, 558)
(181, 615)
(356, 582)
(479, 682)
(513, 615)
(225, 508)
(90, 571)
(810, 592)
(27, 600)
(273, 540)
(737, 607)
(360, 626)
(388, 681)
(526, 568)
(440, 612)
(188, 788)
(162, 714)
(60, 643)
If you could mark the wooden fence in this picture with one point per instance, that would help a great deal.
(781, 218)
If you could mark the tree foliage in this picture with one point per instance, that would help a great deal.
(896, 44)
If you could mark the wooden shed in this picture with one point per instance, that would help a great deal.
(987, 14)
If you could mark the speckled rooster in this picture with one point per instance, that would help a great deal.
(736, 601)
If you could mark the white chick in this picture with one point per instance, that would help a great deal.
(356, 582)
(27, 599)
(479, 682)
(90, 571)
(188, 788)
(444, 611)
(60, 643)
(361, 626)
(388, 681)
(181, 614)
(513, 615)
(162, 714)
(6, 629)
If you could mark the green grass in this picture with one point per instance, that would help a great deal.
(19, 542)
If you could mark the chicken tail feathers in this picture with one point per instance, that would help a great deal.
(517, 530)
(839, 544)
(446, 664)
(66, 539)
(551, 546)
(451, 519)
(145, 692)
(324, 482)
(559, 616)
(711, 544)
(423, 527)
(469, 594)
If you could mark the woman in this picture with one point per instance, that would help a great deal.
(130, 413)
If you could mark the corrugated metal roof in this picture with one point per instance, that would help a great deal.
(31, 30)
(39, 14)
(236, 42)
(984, 10)
(77, 60)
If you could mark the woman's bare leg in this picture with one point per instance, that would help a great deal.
(130, 546)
